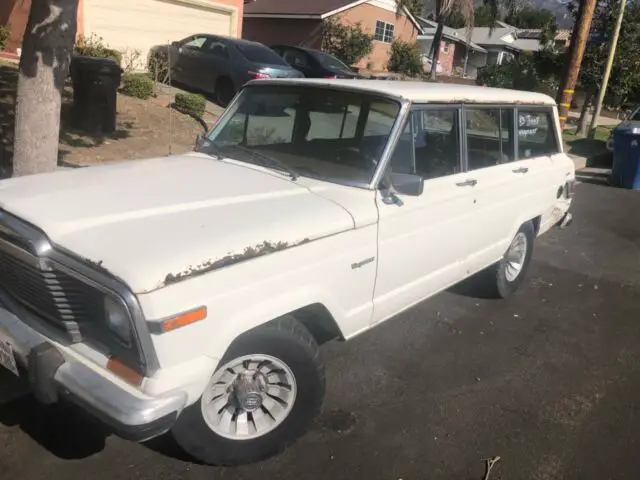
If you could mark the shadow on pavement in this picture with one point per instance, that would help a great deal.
(475, 286)
(168, 447)
(62, 430)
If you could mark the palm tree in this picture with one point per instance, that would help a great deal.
(467, 10)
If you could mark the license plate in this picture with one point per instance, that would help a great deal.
(7, 358)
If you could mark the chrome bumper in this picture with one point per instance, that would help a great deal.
(54, 375)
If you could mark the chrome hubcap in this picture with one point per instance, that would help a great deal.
(516, 255)
(248, 397)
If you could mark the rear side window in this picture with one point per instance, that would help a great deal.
(490, 135)
(536, 133)
(258, 54)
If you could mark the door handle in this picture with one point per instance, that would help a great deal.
(520, 170)
(467, 183)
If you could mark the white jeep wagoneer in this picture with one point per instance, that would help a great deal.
(189, 294)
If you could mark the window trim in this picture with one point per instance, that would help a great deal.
(420, 107)
(384, 31)
(539, 108)
(489, 106)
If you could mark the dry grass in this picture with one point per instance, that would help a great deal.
(144, 129)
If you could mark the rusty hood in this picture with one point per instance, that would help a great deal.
(154, 222)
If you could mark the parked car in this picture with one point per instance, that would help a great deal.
(219, 65)
(190, 294)
(631, 123)
(314, 63)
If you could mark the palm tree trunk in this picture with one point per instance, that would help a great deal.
(44, 64)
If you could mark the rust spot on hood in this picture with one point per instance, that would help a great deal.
(264, 248)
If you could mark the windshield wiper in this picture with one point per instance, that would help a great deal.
(209, 147)
(268, 161)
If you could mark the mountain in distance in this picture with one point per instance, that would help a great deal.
(558, 7)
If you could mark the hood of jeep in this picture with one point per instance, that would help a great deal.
(153, 222)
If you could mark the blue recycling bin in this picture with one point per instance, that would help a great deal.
(626, 159)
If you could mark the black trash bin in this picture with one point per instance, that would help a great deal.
(95, 86)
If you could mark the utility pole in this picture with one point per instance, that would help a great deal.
(576, 52)
(607, 70)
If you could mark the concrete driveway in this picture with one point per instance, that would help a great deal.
(548, 380)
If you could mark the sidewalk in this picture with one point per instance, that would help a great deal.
(603, 120)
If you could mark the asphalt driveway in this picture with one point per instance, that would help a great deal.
(548, 380)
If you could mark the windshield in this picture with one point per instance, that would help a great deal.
(258, 54)
(331, 135)
(635, 116)
(330, 62)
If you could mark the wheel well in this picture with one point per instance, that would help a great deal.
(224, 79)
(320, 323)
(536, 224)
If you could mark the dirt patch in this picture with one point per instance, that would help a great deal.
(144, 129)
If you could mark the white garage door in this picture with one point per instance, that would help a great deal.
(141, 24)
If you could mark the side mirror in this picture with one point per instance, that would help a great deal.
(407, 184)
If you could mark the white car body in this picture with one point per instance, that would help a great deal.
(174, 233)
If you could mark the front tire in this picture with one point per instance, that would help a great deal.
(509, 273)
(267, 390)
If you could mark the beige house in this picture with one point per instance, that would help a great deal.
(297, 22)
(137, 24)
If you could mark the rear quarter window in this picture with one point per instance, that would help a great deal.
(536, 133)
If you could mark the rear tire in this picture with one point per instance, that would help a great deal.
(506, 276)
(224, 92)
(268, 418)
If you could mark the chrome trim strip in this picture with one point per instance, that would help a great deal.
(20, 254)
(396, 131)
(80, 269)
(19, 229)
(112, 285)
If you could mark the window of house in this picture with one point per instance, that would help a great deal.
(444, 48)
(536, 133)
(429, 145)
(490, 137)
(384, 32)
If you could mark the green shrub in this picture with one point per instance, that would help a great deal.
(497, 76)
(190, 103)
(94, 46)
(405, 58)
(349, 43)
(5, 33)
(138, 85)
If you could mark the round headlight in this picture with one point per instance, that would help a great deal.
(117, 319)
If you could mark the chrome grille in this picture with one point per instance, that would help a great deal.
(52, 294)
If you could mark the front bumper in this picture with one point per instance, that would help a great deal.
(55, 373)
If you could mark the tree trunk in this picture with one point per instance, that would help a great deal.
(582, 122)
(46, 53)
(436, 49)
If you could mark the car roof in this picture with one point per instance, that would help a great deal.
(422, 92)
(238, 41)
